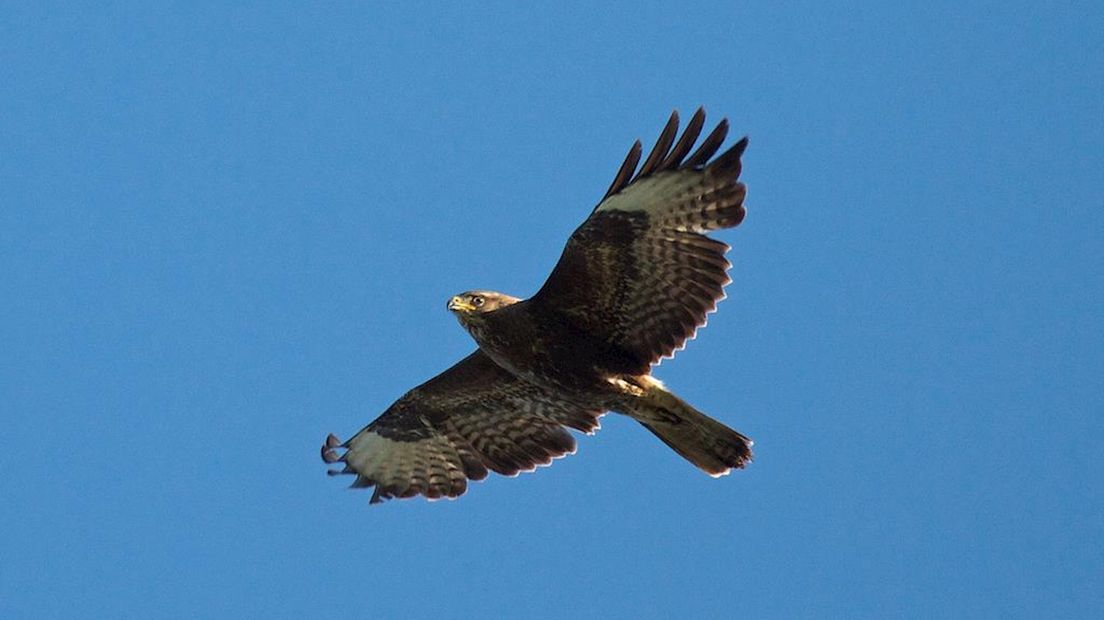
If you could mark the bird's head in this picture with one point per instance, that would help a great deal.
(470, 304)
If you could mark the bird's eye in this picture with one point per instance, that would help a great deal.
(477, 301)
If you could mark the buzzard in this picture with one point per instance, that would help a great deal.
(634, 283)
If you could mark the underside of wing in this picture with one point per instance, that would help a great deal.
(639, 273)
(472, 418)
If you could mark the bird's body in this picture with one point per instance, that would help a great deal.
(634, 283)
(540, 345)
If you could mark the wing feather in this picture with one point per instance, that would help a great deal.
(472, 418)
(639, 273)
(686, 142)
(662, 146)
(710, 145)
(621, 179)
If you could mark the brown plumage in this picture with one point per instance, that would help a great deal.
(635, 282)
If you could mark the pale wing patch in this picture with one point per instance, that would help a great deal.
(431, 466)
(654, 194)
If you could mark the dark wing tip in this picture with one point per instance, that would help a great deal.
(740, 146)
(625, 172)
(708, 146)
(664, 156)
(329, 449)
(728, 163)
(686, 142)
(662, 146)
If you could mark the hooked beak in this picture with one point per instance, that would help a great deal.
(457, 304)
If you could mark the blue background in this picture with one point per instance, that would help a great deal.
(225, 232)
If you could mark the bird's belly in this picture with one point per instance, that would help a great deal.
(548, 360)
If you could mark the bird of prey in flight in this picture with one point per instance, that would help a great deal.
(634, 283)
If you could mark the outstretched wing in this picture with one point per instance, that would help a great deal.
(638, 273)
(473, 417)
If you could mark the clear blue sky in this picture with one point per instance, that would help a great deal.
(226, 232)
